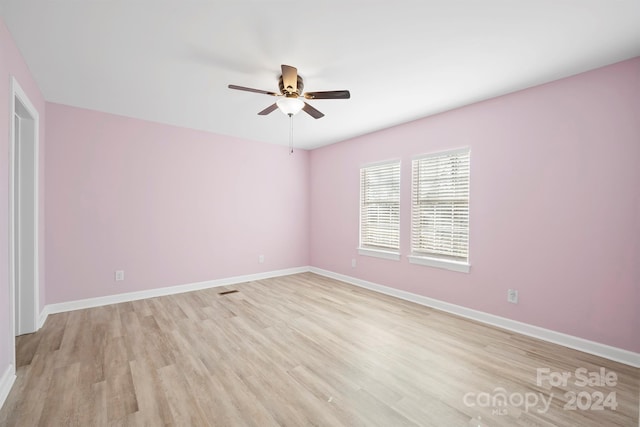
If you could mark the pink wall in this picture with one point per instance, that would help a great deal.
(168, 205)
(555, 205)
(12, 64)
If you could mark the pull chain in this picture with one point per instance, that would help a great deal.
(290, 133)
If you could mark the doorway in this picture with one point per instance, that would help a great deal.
(23, 214)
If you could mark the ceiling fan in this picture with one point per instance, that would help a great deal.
(291, 85)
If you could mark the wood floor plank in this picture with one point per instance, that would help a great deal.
(153, 408)
(182, 404)
(33, 395)
(298, 350)
(99, 415)
(59, 407)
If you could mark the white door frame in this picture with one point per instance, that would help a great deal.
(28, 294)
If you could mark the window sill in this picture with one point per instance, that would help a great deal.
(395, 256)
(462, 267)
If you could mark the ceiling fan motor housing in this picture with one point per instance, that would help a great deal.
(288, 91)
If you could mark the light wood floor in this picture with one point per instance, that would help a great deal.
(298, 351)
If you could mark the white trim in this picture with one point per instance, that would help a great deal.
(6, 382)
(374, 252)
(20, 94)
(43, 316)
(447, 264)
(433, 161)
(158, 292)
(603, 350)
(382, 162)
(379, 253)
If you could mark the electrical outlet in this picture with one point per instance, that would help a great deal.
(261, 259)
(512, 296)
(119, 276)
(353, 262)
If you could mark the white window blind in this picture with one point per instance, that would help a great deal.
(380, 207)
(440, 206)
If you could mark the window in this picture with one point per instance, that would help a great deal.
(380, 210)
(440, 210)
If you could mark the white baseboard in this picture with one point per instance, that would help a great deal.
(43, 316)
(613, 353)
(6, 382)
(158, 292)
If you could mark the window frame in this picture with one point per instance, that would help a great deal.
(368, 249)
(432, 259)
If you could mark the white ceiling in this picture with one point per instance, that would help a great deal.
(171, 61)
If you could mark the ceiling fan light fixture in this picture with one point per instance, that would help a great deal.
(290, 106)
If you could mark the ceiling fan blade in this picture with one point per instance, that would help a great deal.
(331, 94)
(248, 89)
(268, 110)
(312, 111)
(290, 78)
